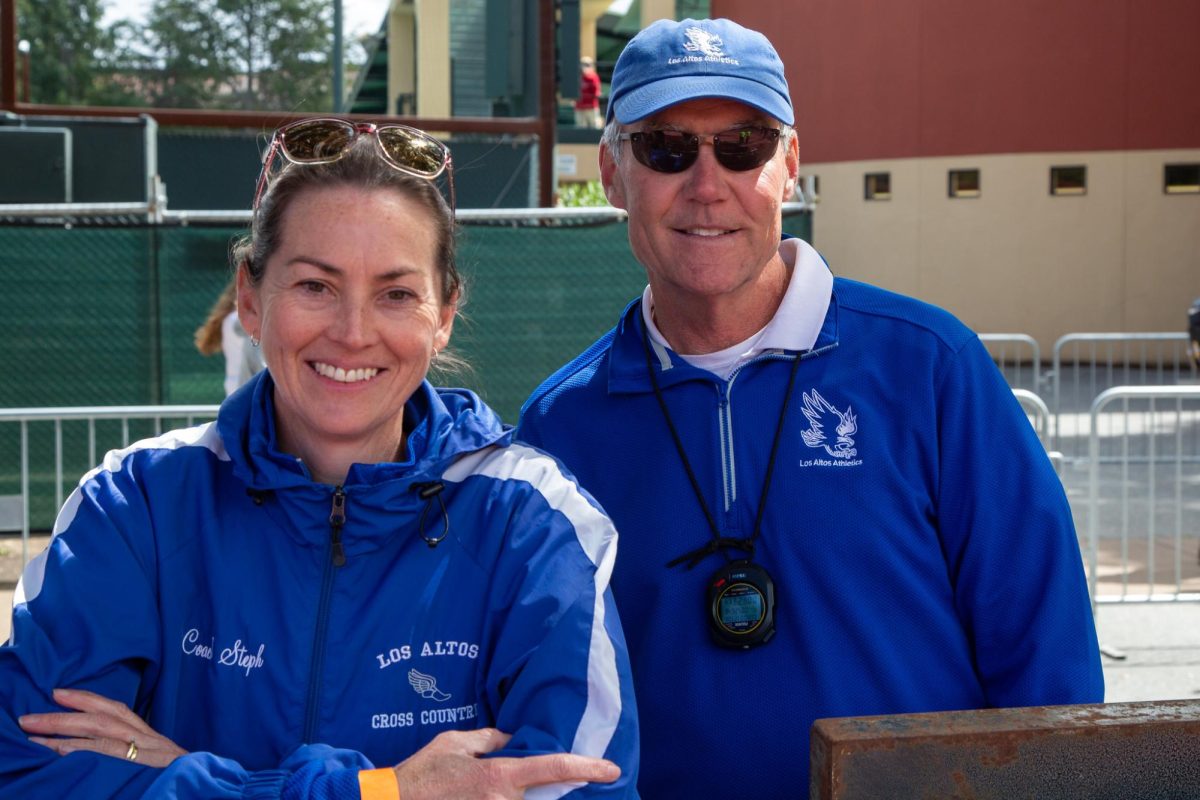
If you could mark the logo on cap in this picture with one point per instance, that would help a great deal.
(707, 44)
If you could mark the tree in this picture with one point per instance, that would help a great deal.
(281, 49)
(71, 55)
(244, 54)
(179, 55)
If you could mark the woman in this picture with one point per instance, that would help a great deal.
(347, 564)
(222, 332)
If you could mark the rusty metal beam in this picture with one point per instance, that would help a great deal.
(1118, 751)
(535, 126)
(542, 126)
(8, 54)
(547, 103)
(273, 119)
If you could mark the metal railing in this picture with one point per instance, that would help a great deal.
(1037, 411)
(158, 213)
(1086, 364)
(148, 420)
(1039, 417)
(1144, 493)
(1115, 485)
(1018, 356)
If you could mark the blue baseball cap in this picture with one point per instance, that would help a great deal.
(671, 62)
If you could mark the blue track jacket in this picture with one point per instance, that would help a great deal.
(921, 545)
(193, 577)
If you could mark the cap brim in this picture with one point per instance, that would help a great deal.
(645, 100)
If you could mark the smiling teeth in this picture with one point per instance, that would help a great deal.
(344, 375)
(707, 231)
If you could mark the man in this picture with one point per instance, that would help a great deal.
(829, 502)
(587, 105)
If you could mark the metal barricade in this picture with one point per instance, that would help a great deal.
(1037, 411)
(45, 450)
(1086, 364)
(1144, 494)
(1039, 417)
(1018, 356)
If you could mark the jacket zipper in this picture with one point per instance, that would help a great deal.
(337, 558)
(337, 519)
(725, 422)
(725, 425)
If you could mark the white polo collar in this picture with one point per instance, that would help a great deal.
(796, 323)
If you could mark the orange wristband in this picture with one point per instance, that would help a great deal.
(378, 784)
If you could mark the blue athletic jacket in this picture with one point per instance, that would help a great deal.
(921, 545)
(196, 578)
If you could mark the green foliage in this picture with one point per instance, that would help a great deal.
(279, 50)
(71, 55)
(235, 54)
(244, 54)
(179, 55)
(581, 195)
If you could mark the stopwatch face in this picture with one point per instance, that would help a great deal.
(741, 605)
(740, 608)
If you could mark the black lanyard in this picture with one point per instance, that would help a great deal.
(719, 543)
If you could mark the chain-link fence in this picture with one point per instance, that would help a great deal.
(104, 314)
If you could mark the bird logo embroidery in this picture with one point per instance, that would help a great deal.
(426, 686)
(706, 43)
(821, 416)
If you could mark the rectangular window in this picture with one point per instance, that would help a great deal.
(1181, 179)
(964, 183)
(877, 186)
(1068, 180)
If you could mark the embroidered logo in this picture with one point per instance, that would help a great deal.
(426, 686)
(702, 46)
(825, 420)
(708, 44)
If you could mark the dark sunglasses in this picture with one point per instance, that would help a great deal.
(740, 149)
(323, 141)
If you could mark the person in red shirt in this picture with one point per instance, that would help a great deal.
(587, 105)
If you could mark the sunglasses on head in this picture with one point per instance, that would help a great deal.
(740, 149)
(323, 141)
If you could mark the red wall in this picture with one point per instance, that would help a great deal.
(920, 78)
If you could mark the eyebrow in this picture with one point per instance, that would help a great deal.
(330, 269)
(670, 126)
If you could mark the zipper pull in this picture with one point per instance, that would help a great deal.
(430, 492)
(337, 518)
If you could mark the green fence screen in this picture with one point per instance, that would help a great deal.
(104, 315)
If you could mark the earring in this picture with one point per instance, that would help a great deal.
(433, 358)
(254, 341)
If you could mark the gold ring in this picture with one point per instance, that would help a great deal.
(131, 753)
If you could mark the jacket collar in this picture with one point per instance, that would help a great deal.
(446, 423)
(627, 357)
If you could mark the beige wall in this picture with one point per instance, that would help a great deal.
(587, 167)
(402, 73)
(432, 39)
(589, 12)
(1123, 257)
(653, 10)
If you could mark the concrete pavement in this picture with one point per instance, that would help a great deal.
(1161, 647)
